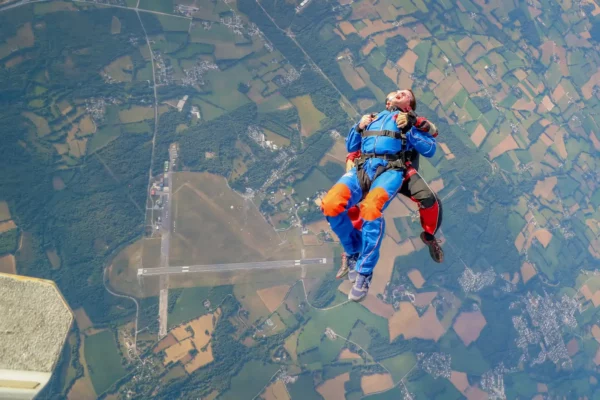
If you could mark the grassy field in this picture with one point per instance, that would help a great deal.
(250, 380)
(46, 8)
(103, 360)
(173, 23)
(189, 304)
(118, 69)
(115, 26)
(310, 116)
(40, 123)
(165, 6)
(341, 320)
(304, 388)
(104, 136)
(400, 365)
(136, 114)
(122, 275)
(211, 219)
(314, 181)
(227, 82)
(208, 110)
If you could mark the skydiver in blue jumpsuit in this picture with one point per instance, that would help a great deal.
(382, 165)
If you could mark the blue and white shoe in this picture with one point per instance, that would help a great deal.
(348, 264)
(352, 274)
(360, 288)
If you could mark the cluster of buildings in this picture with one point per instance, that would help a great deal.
(164, 70)
(492, 382)
(472, 282)
(194, 75)
(541, 323)
(188, 11)
(234, 23)
(96, 108)
(290, 76)
(435, 364)
(256, 134)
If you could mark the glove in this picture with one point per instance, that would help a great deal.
(405, 120)
(350, 159)
(424, 125)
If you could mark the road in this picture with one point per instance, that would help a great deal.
(231, 267)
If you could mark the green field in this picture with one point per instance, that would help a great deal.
(103, 360)
(400, 365)
(314, 181)
(173, 23)
(304, 388)
(341, 320)
(250, 380)
(165, 6)
(189, 304)
(104, 136)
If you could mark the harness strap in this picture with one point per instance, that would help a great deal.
(388, 133)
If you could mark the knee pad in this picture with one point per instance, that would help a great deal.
(335, 201)
(371, 207)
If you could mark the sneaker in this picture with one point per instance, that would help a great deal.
(435, 250)
(360, 288)
(348, 264)
(352, 274)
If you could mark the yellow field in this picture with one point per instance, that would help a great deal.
(348, 355)
(351, 75)
(273, 296)
(136, 114)
(23, 39)
(53, 258)
(310, 116)
(7, 226)
(276, 391)
(331, 388)
(8, 264)
(416, 278)
(87, 126)
(211, 219)
(178, 351)
(527, 271)
(376, 383)
(199, 340)
(115, 26)
(407, 322)
(115, 69)
(291, 344)
(469, 325)
(40, 123)
(83, 321)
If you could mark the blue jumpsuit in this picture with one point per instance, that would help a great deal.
(347, 191)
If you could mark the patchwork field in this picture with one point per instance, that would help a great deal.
(310, 116)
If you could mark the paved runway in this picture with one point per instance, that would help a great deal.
(231, 267)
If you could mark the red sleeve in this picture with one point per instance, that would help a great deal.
(352, 156)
